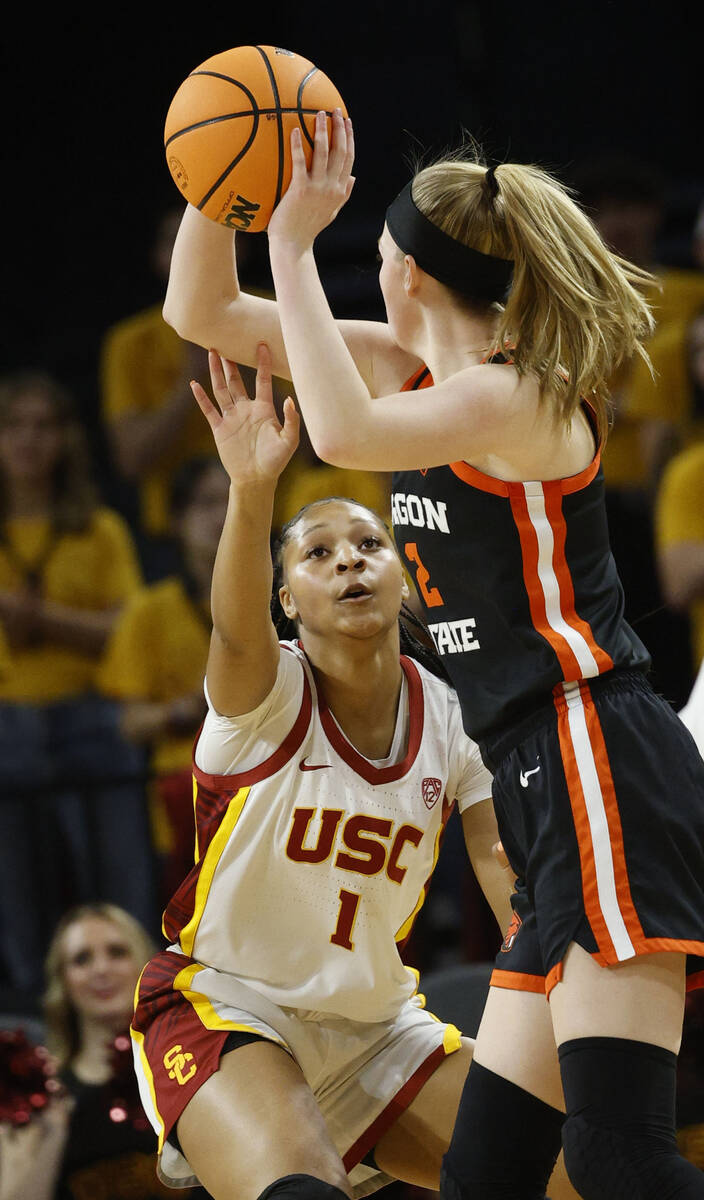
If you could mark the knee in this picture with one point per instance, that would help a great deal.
(302, 1187)
(596, 1160)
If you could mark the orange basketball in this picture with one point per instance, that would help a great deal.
(228, 130)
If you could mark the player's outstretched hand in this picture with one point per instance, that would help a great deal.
(314, 197)
(254, 447)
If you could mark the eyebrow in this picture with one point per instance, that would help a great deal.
(370, 520)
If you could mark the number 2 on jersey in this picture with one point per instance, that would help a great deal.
(432, 596)
(349, 903)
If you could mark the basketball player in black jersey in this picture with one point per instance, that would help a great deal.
(485, 393)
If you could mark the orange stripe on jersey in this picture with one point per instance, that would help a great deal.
(419, 379)
(556, 517)
(590, 890)
(613, 817)
(530, 552)
(607, 895)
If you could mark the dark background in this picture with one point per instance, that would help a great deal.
(85, 99)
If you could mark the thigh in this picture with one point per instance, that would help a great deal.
(516, 1040)
(641, 999)
(254, 1121)
(412, 1149)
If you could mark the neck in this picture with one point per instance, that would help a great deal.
(453, 340)
(360, 684)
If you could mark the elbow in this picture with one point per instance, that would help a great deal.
(179, 318)
(332, 449)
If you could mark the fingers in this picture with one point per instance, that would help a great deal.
(319, 165)
(205, 404)
(235, 386)
(263, 386)
(298, 158)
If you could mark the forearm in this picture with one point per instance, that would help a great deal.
(333, 398)
(242, 575)
(202, 277)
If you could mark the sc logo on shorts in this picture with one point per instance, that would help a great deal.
(175, 1060)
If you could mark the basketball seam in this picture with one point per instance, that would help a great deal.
(247, 112)
(301, 110)
(232, 165)
(279, 123)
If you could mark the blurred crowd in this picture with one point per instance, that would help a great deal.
(107, 546)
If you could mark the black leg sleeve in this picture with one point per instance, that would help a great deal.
(505, 1142)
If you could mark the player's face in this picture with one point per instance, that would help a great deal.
(31, 438)
(393, 273)
(342, 573)
(100, 970)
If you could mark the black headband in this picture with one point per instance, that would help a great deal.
(476, 275)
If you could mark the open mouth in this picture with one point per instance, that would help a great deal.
(356, 591)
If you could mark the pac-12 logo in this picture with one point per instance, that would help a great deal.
(175, 1060)
(241, 213)
(431, 789)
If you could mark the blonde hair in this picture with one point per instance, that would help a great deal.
(61, 1019)
(575, 311)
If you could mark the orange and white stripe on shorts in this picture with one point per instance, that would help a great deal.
(607, 896)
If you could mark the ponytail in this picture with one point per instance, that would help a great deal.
(575, 310)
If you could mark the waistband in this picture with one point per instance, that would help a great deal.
(497, 745)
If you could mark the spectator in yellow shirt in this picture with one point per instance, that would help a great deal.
(155, 662)
(67, 565)
(679, 527)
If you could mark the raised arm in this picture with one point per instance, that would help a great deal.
(254, 449)
(350, 423)
(205, 305)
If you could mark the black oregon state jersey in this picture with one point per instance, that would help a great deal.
(517, 581)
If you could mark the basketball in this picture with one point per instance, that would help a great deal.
(228, 131)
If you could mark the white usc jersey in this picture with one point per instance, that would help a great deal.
(312, 862)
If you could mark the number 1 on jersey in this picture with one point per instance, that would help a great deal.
(432, 596)
(349, 903)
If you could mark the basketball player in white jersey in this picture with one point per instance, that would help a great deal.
(281, 1045)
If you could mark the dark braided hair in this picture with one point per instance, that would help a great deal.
(421, 649)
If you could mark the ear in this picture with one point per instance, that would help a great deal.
(405, 590)
(410, 275)
(287, 602)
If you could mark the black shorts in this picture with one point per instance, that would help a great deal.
(599, 798)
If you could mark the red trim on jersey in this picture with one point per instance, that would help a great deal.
(416, 717)
(536, 598)
(291, 743)
(695, 980)
(400, 1102)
